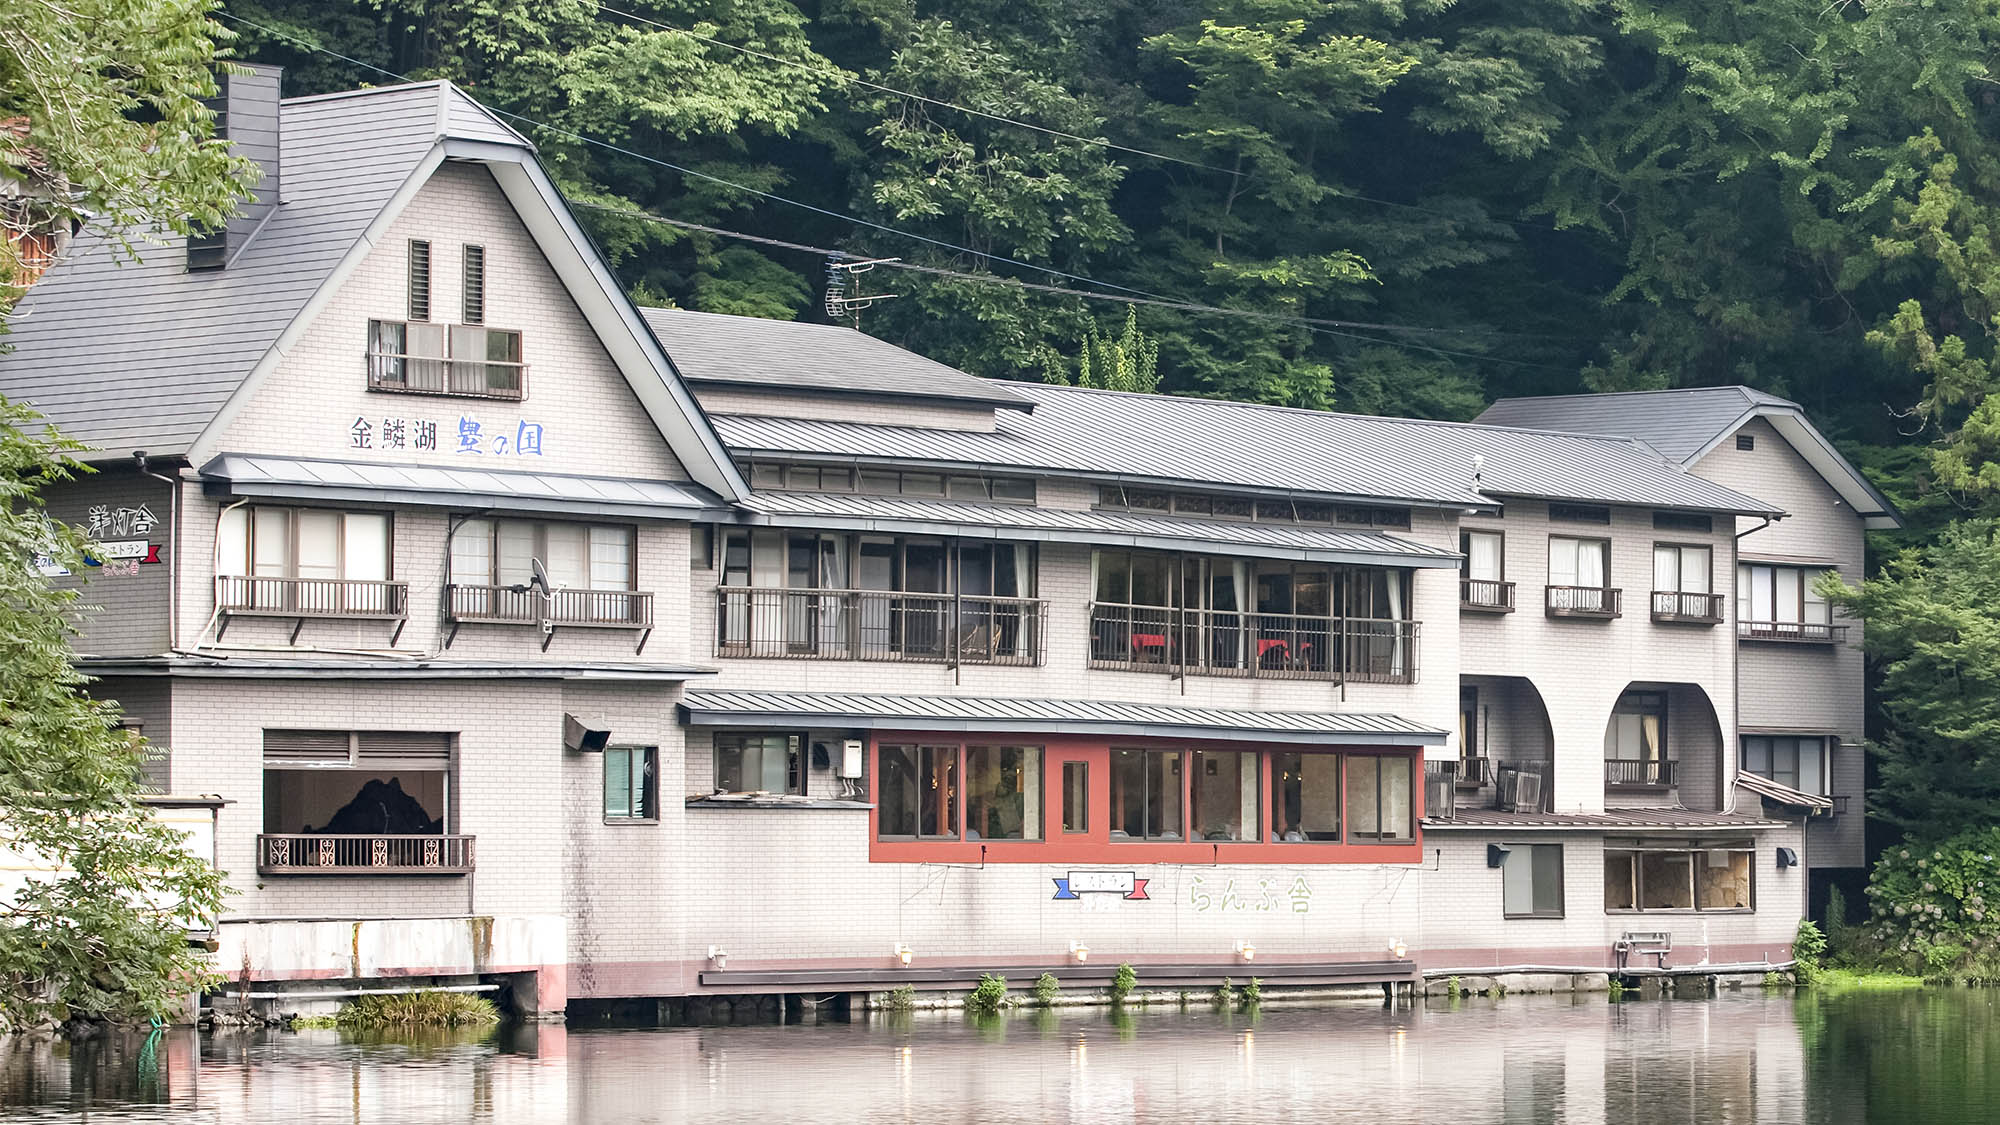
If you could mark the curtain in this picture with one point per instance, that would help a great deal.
(1483, 557)
(1590, 564)
(1395, 584)
(1666, 569)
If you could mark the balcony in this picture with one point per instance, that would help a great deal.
(1590, 602)
(1683, 608)
(953, 629)
(1480, 595)
(1474, 773)
(1791, 632)
(1271, 646)
(312, 597)
(1622, 773)
(520, 605)
(294, 854)
(465, 361)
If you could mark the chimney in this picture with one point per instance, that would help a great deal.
(246, 106)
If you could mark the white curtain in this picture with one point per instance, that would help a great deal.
(1483, 556)
(1590, 564)
(1666, 569)
(1562, 561)
(1395, 583)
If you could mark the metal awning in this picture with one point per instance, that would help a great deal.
(1610, 820)
(458, 485)
(895, 514)
(1782, 794)
(1049, 716)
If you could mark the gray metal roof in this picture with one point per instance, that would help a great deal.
(1003, 521)
(1610, 820)
(788, 355)
(142, 355)
(1678, 423)
(292, 668)
(1109, 435)
(1685, 424)
(1050, 716)
(459, 486)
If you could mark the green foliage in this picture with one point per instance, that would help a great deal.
(901, 998)
(100, 929)
(1225, 995)
(1932, 909)
(417, 1009)
(1839, 930)
(1808, 950)
(1122, 983)
(1253, 993)
(989, 997)
(1047, 988)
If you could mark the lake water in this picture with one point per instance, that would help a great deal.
(1911, 1058)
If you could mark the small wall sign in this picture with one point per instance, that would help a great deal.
(1124, 884)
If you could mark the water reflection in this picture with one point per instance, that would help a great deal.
(1745, 1059)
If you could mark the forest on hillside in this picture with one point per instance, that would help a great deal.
(1385, 206)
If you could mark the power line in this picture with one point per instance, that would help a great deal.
(1314, 324)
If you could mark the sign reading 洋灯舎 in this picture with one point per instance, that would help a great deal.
(462, 436)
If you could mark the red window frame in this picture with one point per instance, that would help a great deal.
(1095, 846)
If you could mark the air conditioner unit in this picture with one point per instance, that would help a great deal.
(1528, 793)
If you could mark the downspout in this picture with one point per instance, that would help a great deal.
(173, 544)
(1736, 667)
(215, 565)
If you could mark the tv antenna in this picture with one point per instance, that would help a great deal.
(840, 275)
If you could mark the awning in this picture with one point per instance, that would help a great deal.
(1621, 821)
(1782, 794)
(896, 514)
(1049, 716)
(458, 486)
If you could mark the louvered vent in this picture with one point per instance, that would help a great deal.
(420, 280)
(387, 750)
(308, 747)
(475, 285)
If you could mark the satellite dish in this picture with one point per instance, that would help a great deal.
(541, 577)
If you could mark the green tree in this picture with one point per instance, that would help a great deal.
(102, 122)
(101, 932)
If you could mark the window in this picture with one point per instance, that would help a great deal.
(312, 560)
(701, 547)
(1485, 569)
(1531, 881)
(1222, 792)
(1637, 731)
(1305, 798)
(1003, 793)
(1683, 521)
(1076, 797)
(1678, 879)
(769, 763)
(1681, 569)
(1379, 798)
(358, 801)
(888, 482)
(1468, 724)
(470, 360)
(1146, 795)
(1780, 601)
(1580, 513)
(576, 556)
(1795, 761)
(917, 793)
(475, 285)
(420, 279)
(1578, 575)
(630, 783)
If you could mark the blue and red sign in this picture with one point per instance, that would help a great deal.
(1124, 884)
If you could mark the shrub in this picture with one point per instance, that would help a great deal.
(418, 1009)
(1839, 933)
(1253, 993)
(1808, 948)
(1225, 995)
(1928, 910)
(1046, 988)
(1122, 983)
(901, 998)
(989, 997)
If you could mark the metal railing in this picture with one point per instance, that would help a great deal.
(1791, 632)
(1654, 773)
(312, 597)
(1276, 646)
(1486, 595)
(511, 605)
(886, 625)
(303, 854)
(444, 375)
(1582, 601)
(1682, 606)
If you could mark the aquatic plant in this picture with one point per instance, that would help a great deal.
(1253, 993)
(1122, 983)
(989, 997)
(1047, 987)
(1225, 995)
(901, 998)
(429, 1008)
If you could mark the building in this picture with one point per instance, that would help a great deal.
(517, 635)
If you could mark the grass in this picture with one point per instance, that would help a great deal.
(418, 1009)
(1842, 980)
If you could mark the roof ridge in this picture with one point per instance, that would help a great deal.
(363, 92)
(1743, 390)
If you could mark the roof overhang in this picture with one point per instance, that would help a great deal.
(837, 512)
(457, 486)
(971, 714)
(220, 666)
(1876, 511)
(1749, 506)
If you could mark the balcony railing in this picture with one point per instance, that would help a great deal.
(879, 625)
(1481, 595)
(1597, 602)
(1681, 607)
(511, 605)
(1276, 646)
(295, 854)
(1791, 632)
(312, 597)
(1474, 773)
(474, 377)
(1649, 774)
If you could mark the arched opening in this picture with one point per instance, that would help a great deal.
(1663, 748)
(1506, 745)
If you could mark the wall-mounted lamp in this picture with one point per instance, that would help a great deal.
(1079, 951)
(1787, 858)
(904, 953)
(1245, 951)
(719, 956)
(1397, 949)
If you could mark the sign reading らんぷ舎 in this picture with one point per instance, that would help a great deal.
(1124, 884)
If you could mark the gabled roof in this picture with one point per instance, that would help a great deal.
(814, 358)
(1160, 439)
(147, 355)
(1686, 424)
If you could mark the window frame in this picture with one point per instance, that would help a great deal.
(1824, 754)
(646, 796)
(1562, 893)
(1628, 703)
(1465, 535)
(292, 511)
(799, 758)
(1694, 855)
(1681, 548)
(1746, 594)
(541, 549)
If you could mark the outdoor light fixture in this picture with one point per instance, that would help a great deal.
(904, 953)
(1079, 951)
(1397, 948)
(718, 955)
(1246, 951)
